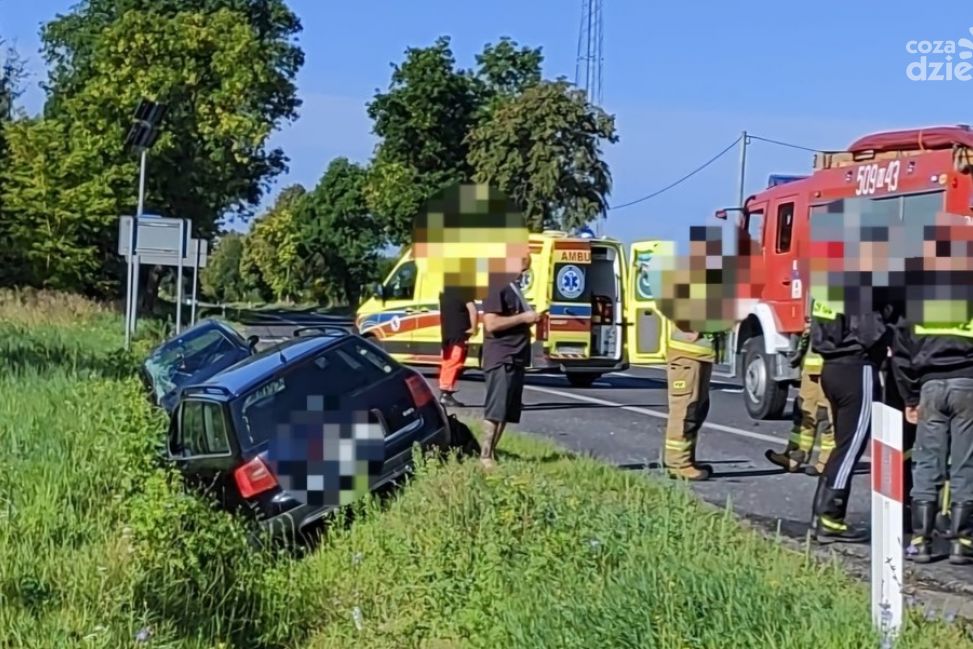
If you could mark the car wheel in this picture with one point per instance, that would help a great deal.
(582, 379)
(764, 397)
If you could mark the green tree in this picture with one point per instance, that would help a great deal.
(70, 44)
(221, 280)
(543, 148)
(227, 77)
(11, 75)
(425, 117)
(422, 120)
(271, 248)
(58, 206)
(340, 239)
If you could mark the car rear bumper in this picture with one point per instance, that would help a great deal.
(292, 523)
(541, 361)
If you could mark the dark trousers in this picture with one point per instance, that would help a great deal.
(850, 389)
(945, 439)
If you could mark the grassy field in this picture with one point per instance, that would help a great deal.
(100, 546)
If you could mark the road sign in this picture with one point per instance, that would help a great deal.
(155, 236)
(154, 259)
(888, 495)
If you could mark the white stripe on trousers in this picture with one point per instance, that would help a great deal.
(861, 432)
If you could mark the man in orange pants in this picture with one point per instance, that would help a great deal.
(457, 322)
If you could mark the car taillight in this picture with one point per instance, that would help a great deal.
(254, 478)
(421, 393)
(543, 326)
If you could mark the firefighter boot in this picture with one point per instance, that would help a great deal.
(961, 527)
(799, 444)
(923, 525)
(680, 458)
(829, 526)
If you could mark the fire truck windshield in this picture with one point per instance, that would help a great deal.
(895, 223)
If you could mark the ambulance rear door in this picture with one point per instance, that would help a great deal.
(569, 311)
(647, 329)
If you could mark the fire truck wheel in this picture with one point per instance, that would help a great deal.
(582, 379)
(764, 397)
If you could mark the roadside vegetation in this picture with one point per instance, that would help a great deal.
(101, 547)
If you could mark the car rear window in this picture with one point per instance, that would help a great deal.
(315, 385)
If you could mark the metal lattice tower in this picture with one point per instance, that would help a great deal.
(587, 71)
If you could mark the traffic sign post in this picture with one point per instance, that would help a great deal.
(140, 137)
(159, 241)
(888, 496)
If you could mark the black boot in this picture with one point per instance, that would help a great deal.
(829, 524)
(961, 528)
(448, 400)
(923, 524)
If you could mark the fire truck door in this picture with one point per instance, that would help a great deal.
(785, 289)
(648, 330)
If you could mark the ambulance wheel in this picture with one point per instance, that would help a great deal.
(764, 397)
(582, 379)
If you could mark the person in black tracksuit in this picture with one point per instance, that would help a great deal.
(934, 373)
(853, 348)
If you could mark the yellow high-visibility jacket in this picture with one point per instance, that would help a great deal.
(681, 344)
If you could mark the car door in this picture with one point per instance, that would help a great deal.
(203, 448)
(784, 289)
(394, 325)
(648, 329)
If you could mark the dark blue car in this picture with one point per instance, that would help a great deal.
(201, 351)
(297, 430)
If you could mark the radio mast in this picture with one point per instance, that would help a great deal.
(587, 70)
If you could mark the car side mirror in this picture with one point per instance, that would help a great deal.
(252, 342)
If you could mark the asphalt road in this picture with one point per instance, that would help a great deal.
(621, 419)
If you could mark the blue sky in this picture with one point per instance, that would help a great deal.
(683, 80)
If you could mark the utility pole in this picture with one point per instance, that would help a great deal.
(741, 186)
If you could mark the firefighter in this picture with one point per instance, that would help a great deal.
(811, 413)
(933, 368)
(689, 367)
(853, 347)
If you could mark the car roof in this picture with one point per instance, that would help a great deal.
(250, 372)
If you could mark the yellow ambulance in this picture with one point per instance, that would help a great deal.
(596, 306)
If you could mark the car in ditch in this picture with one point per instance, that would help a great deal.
(198, 353)
(228, 434)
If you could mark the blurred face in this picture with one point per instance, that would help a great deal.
(472, 236)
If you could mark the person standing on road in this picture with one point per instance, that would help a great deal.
(689, 367)
(853, 347)
(811, 413)
(933, 369)
(458, 323)
(506, 354)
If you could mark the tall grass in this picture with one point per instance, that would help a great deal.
(100, 545)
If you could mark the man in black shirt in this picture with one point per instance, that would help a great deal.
(457, 322)
(506, 354)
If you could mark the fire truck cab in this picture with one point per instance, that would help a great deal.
(909, 174)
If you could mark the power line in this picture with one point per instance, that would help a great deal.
(779, 143)
(681, 180)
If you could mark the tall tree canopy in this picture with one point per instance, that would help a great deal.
(340, 238)
(271, 250)
(435, 121)
(225, 68)
(542, 147)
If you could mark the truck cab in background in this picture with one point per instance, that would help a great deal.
(901, 175)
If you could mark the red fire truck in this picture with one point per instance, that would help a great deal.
(913, 172)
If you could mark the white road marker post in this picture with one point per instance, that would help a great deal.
(888, 496)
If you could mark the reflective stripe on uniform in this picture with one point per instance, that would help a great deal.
(964, 330)
(823, 311)
(813, 363)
